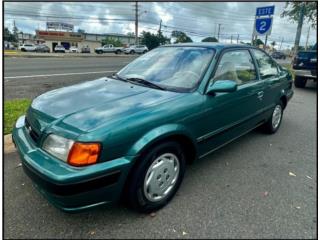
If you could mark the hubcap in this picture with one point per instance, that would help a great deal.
(161, 177)
(276, 116)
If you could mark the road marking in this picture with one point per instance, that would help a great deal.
(57, 74)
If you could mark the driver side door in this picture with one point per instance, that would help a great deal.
(231, 114)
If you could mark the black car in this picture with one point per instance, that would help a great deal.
(42, 48)
(305, 66)
(278, 55)
(85, 49)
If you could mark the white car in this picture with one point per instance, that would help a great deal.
(59, 48)
(27, 47)
(74, 50)
(136, 49)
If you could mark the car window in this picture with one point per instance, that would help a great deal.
(267, 67)
(236, 65)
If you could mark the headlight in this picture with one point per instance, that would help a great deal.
(58, 146)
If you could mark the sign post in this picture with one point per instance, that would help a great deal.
(263, 22)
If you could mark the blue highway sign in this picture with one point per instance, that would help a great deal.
(265, 11)
(263, 26)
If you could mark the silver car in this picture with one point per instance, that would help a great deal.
(136, 49)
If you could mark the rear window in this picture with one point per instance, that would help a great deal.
(307, 55)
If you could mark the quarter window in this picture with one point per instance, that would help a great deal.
(267, 67)
(237, 66)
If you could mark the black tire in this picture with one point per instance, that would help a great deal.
(268, 127)
(135, 194)
(144, 51)
(23, 50)
(300, 82)
(132, 52)
(118, 52)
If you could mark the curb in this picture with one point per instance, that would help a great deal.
(8, 144)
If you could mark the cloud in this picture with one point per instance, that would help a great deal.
(197, 19)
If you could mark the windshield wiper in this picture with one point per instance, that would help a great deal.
(116, 76)
(145, 82)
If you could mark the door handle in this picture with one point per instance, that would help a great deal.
(260, 95)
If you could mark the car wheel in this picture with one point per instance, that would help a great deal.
(157, 177)
(144, 51)
(131, 52)
(118, 52)
(23, 50)
(274, 122)
(300, 82)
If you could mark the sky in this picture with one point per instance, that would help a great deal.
(197, 19)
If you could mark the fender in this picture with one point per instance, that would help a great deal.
(160, 133)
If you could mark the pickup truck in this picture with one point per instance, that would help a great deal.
(109, 48)
(305, 66)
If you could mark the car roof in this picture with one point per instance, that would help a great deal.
(215, 45)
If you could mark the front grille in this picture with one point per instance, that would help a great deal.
(33, 134)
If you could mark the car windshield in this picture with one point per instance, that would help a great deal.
(172, 68)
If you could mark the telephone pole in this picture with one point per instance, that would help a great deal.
(160, 27)
(238, 39)
(219, 24)
(231, 39)
(299, 28)
(307, 39)
(281, 43)
(136, 23)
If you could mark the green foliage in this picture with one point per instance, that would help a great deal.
(13, 109)
(153, 40)
(8, 36)
(181, 37)
(209, 39)
(114, 42)
(292, 11)
(257, 42)
(273, 43)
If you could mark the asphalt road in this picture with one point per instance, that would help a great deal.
(29, 77)
(260, 186)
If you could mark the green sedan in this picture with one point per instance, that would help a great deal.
(129, 136)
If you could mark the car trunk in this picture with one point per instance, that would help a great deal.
(306, 60)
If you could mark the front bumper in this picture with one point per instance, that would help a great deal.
(71, 188)
(305, 73)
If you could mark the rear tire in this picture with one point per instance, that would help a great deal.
(157, 178)
(300, 82)
(274, 122)
(132, 52)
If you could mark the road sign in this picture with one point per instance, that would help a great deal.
(263, 26)
(265, 11)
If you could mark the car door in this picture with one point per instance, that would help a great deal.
(229, 115)
(270, 76)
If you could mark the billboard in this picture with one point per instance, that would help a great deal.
(60, 26)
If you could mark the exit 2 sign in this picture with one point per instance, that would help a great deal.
(264, 11)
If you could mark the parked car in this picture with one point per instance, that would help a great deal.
(136, 49)
(42, 48)
(85, 50)
(278, 55)
(305, 66)
(59, 48)
(130, 135)
(109, 48)
(27, 47)
(74, 49)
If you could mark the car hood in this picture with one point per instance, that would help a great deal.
(89, 105)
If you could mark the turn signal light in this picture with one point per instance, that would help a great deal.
(82, 154)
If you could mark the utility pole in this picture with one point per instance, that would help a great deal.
(238, 39)
(307, 39)
(281, 43)
(136, 23)
(299, 28)
(160, 27)
(219, 24)
(265, 42)
(231, 39)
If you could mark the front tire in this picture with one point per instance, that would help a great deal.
(132, 52)
(274, 122)
(157, 177)
(300, 82)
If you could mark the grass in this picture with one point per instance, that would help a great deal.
(12, 110)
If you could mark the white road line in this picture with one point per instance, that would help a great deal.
(57, 74)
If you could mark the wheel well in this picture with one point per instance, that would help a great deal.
(283, 99)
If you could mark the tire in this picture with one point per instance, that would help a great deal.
(300, 82)
(139, 194)
(23, 50)
(270, 126)
(118, 52)
(132, 52)
(144, 51)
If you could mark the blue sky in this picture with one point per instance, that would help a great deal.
(197, 19)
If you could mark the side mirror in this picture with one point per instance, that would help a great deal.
(222, 86)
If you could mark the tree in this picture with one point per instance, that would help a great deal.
(8, 36)
(181, 37)
(114, 42)
(153, 40)
(292, 11)
(15, 33)
(209, 39)
(257, 42)
(273, 43)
